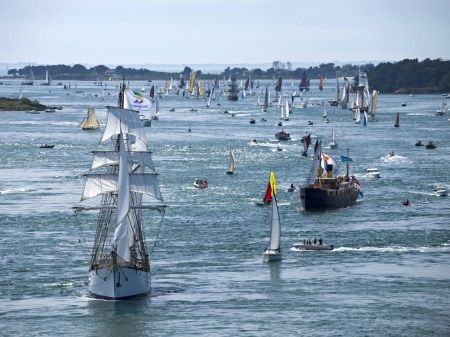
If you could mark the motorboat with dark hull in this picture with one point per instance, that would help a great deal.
(328, 191)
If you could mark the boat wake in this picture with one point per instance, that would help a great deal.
(396, 159)
(395, 249)
(15, 190)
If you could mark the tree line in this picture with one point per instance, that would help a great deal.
(406, 76)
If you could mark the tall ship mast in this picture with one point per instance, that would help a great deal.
(233, 90)
(125, 178)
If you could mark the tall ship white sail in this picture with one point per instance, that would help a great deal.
(125, 178)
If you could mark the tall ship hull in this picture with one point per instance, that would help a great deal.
(118, 284)
(317, 199)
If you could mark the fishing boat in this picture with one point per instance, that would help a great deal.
(90, 122)
(397, 120)
(273, 251)
(325, 189)
(283, 135)
(231, 163)
(119, 265)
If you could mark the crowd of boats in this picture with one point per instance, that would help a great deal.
(120, 263)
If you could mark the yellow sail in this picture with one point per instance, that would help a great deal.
(90, 122)
(200, 88)
(192, 82)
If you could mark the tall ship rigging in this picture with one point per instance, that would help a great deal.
(125, 178)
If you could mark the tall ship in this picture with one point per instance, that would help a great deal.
(304, 83)
(362, 95)
(233, 90)
(125, 178)
(325, 189)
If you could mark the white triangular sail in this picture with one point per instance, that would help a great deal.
(275, 234)
(231, 162)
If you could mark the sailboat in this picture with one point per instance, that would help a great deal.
(333, 144)
(306, 142)
(231, 163)
(373, 103)
(119, 262)
(267, 199)
(266, 100)
(321, 83)
(397, 120)
(90, 122)
(286, 111)
(443, 109)
(273, 251)
(47, 78)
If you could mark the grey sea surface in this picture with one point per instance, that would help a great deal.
(389, 274)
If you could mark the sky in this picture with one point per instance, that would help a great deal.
(222, 31)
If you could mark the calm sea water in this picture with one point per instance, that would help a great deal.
(388, 276)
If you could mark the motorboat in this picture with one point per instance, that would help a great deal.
(419, 143)
(283, 135)
(47, 146)
(441, 191)
(201, 183)
(373, 173)
(308, 245)
(430, 145)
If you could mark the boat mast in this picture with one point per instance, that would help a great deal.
(348, 159)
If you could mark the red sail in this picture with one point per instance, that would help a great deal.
(268, 195)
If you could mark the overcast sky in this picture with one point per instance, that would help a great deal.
(222, 31)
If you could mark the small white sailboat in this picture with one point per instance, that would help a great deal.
(273, 251)
(443, 109)
(333, 143)
(286, 111)
(231, 163)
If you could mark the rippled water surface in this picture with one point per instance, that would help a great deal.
(388, 275)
